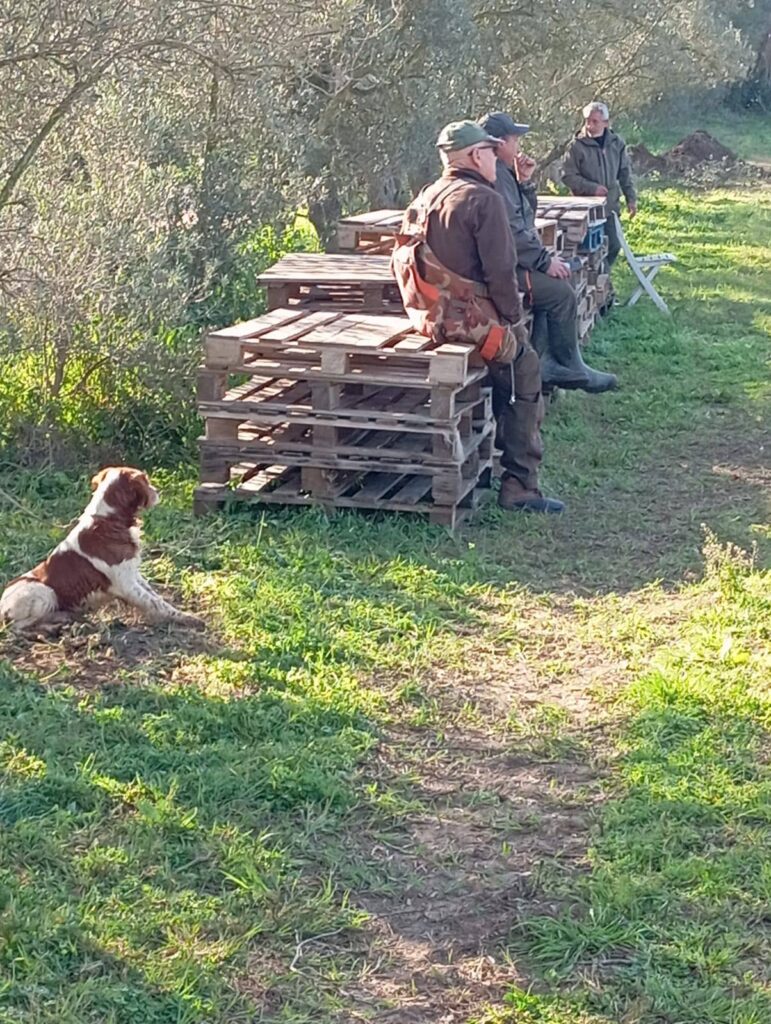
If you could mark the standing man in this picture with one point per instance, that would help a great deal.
(597, 164)
(456, 268)
(544, 278)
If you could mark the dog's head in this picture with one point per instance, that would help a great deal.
(125, 489)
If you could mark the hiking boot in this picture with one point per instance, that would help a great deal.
(514, 498)
(575, 375)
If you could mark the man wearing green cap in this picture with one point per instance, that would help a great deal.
(544, 278)
(466, 244)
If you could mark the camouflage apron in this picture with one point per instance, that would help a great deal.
(441, 304)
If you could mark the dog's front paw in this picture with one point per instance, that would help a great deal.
(191, 621)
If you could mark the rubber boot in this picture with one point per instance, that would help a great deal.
(562, 365)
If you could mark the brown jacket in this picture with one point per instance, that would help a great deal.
(469, 233)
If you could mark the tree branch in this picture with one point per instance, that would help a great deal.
(59, 111)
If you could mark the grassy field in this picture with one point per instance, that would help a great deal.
(517, 775)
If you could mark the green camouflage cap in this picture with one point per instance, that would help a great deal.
(462, 134)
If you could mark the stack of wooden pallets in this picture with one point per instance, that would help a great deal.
(572, 227)
(581, 227)
(344, 410)
(331, 398)
(342, 281)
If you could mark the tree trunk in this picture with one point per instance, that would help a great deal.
(756, 90)
(205, 197)
(761, 73)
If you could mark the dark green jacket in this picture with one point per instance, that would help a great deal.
(591, 162)
(521, 203)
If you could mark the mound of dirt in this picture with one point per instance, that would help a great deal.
(700, 159)
(645, 162)
(696, 149)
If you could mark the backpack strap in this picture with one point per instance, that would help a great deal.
(426, 210)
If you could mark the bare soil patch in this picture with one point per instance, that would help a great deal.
(97, 651)
(698, 155)
(499, 814)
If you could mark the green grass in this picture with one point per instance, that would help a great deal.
(211, 830)
(673, 916)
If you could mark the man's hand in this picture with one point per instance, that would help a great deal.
(558, 268)
(516, 336)
(525, 167)
(632, 208)
(601, 191)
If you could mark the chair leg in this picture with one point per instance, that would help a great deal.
(648, 287)
(636, 295)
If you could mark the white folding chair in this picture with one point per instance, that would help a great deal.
(645, 269)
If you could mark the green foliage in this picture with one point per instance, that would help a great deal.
(526, 1008)
(235, 297)
(125, 393)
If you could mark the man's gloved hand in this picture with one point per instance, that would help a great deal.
(516, 336)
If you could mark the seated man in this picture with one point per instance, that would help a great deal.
(456, 269)
(596, 164)
(544, 278)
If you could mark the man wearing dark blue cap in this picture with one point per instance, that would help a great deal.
(543, 277)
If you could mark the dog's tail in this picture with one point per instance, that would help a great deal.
(27, 602)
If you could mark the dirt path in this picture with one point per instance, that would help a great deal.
(491, 814)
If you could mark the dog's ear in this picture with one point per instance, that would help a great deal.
(143, 488)
(96, 480)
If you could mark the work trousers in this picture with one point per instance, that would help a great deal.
(614, 245)
(518, 426)
(555, 323)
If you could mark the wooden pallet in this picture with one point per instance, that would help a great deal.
(334, 396)
(342, 281)
(265, 402)
(392, 491)
(374, 231)
(555, 206)
(370, 233)
(447, 456)
(297, 344)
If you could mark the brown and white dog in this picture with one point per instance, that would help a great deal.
(98, 560)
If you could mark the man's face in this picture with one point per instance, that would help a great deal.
(484, 160)
(595, 124)
(508, 149)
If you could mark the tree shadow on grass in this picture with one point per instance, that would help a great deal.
(164, 828)
(196, 840)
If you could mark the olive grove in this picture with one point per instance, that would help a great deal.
(153, 154)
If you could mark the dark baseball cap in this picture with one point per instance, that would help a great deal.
(462, 134)
(501, 125)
